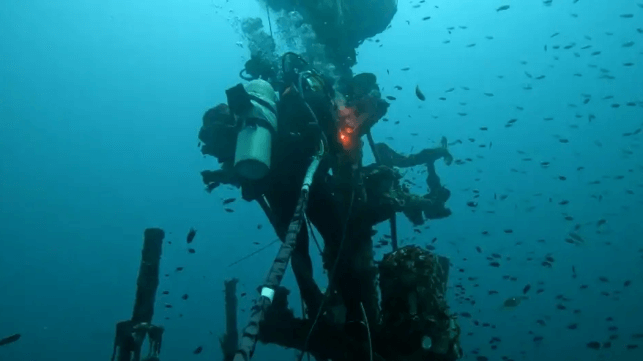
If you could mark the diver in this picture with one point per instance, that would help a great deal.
(438, 195)
(265, 140)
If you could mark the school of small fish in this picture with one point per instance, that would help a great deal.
(602, 187)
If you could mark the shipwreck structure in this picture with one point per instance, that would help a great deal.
(326, 32)
(131, 334)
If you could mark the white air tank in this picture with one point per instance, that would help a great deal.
(254, 141)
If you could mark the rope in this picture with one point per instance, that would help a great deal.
(253, 253)
(310, 227)
(368, 330)
(269, 22)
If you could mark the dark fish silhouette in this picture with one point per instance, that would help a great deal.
(594, 345)
(10, 339)
(419, 93)
(503, 7)
(191, 235)
(512, 302)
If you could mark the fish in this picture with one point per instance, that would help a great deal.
(390, 97)
(191, 234)
(594, 345)
(503, 8)
(10, 339)
(198, 350)
(228, 200)
(185, 297)
(513, 302)
(419, 93)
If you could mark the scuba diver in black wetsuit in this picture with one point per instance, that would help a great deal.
(276, 135)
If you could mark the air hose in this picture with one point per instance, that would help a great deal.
(277, 271)
(332, 275)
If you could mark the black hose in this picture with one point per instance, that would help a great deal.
(290, 53)
(246, 77)
(332, 275)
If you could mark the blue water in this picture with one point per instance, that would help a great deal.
(101, 102)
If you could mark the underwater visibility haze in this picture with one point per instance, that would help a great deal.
(541, 103)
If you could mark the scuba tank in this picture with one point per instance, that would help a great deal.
(302, 115)
(255, 108)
